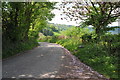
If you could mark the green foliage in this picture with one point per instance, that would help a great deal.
(47, 32)
(112, 43)
(97, 14)
(97, 56)
(21, 23)
(61, 27)
(77, 32)
(17, 47)
(51, 39)
(101, 55)
(99, 19)
(70, 44)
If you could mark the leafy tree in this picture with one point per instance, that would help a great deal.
(21, 20)
(21, 23)
(47, 32)
(97, 14)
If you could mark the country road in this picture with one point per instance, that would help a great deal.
(48, 60)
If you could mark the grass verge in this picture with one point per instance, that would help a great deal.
(10, 49)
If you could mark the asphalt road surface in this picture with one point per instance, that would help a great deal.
(48, 60)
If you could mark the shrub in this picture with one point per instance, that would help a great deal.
(98, 58)
(10, 49)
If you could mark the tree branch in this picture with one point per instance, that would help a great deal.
(94, 7)
(116, 15)
(110, 10)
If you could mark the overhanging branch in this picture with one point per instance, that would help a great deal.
(94, 7)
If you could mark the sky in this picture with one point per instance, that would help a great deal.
(58, 16)
(57, 19)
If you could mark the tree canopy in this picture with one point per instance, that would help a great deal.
(21, 23)
(97, 14)
(22, 20)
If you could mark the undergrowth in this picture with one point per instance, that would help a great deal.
(10, 49)
(99, 56)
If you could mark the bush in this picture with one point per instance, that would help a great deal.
(101, 55)
(70, 44)
(95, 55)
(10, 49)
(99, 59)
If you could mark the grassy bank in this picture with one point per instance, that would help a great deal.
(10, 49)
(99, 56)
